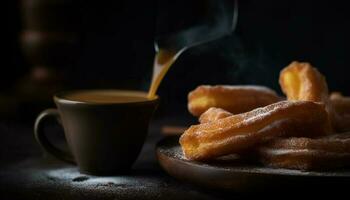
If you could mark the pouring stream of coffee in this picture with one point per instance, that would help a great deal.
(162, 62)
(169, 48)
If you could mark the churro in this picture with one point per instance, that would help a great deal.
(235, 99)
(323, 153)
(237, 133)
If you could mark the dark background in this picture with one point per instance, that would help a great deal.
(54, 45)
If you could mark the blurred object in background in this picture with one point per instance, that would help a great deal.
(49, 40)
(75, 44)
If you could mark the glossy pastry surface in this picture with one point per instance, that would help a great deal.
(237, 133)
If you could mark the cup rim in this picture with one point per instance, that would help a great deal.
(60, 97)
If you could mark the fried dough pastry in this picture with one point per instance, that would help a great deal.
(341, 106)
(301, 81)
(327, 152)
(235, 99)
(237, 133)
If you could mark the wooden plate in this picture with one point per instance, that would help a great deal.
(240, 176)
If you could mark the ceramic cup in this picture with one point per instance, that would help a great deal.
(104, 137)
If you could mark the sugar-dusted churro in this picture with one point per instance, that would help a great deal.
(322, 153)
(237, 133)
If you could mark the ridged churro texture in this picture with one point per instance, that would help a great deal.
(237, 133)
(235, 99)
(322, 153)
(326, 152)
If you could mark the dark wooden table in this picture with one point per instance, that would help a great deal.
(26, 174)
